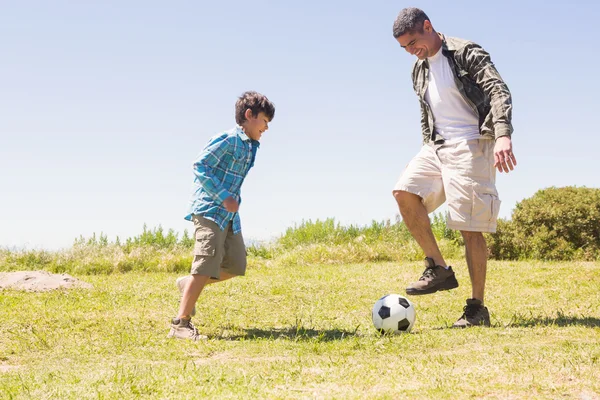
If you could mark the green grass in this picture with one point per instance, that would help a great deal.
(303, 330)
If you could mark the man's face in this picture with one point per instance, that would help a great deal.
(255, 126)
(419, 44)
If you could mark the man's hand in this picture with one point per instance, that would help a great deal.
(504, 159)
(231, 204)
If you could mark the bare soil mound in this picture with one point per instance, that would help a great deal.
(39, 281)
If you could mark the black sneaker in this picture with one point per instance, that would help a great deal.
(434, 278)
(474, 314)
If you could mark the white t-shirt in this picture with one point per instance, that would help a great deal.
(453, 117)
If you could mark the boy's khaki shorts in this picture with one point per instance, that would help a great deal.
(216, 250)
(462, 173)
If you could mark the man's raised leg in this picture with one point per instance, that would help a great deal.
(437, 275)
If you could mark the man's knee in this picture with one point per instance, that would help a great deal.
(404, 198)
(470, 236)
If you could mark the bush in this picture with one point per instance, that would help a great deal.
(553, 224)
(501, 245)
(331, 243)
(329, 232)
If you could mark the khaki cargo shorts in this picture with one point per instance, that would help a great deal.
(462, 173)
(216, 250)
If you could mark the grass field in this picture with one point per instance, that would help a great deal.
(304, 331)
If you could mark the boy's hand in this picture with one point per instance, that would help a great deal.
(231, 204)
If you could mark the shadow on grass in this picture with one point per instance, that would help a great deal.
(560, 320)
(529, 321)
(292, 333)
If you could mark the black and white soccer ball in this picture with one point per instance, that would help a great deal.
(394, 314)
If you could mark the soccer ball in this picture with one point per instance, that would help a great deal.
(393, 314)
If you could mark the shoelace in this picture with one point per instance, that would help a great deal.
(470, 310)
(428, 273)
(193, 328)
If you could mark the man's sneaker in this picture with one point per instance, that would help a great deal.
(184, 329)
(434, 278)
(475, 314)
(181, 282)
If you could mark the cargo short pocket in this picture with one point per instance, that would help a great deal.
(486, 205)
(205, 243)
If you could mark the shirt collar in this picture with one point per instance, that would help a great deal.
(242, 135)
(448, 45)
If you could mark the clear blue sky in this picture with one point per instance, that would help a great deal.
(104, 105)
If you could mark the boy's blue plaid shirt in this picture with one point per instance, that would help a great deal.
(219, 172)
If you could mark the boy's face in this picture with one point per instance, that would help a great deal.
(255, 126)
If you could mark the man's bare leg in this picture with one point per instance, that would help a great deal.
(476, 254)
(414, 215)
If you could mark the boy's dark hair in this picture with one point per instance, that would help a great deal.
(410, 20)
(256, 102)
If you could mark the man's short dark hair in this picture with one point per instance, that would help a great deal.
(256, 102)
(410, 20)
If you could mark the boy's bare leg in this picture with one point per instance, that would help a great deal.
(192, 290)
(224, 277)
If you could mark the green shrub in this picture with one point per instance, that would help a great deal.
(441, 230)
(501, 245)
(155, 238)
(329, 232)
(553, 224)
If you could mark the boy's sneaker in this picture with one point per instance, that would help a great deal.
(434, 278)
(184, 329)
(475, 314)
(181, 282)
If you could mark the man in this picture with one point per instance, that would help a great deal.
(466, 123)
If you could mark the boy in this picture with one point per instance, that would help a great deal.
(220, 169)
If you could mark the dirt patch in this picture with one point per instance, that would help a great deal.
(39, 281)
(7, 368)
